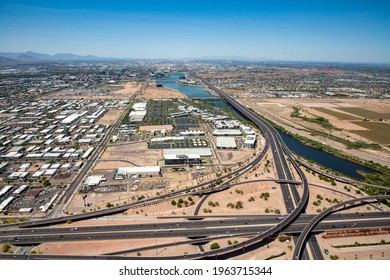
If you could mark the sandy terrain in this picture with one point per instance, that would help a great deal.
(155, 127)
(129, 90)
(342, 124)
(228, 157)
(110, 117)
(299, 126)
(153, 92)
(378, 252)
(273, 248)
(254, 190)
(111, 165)
(137, 153)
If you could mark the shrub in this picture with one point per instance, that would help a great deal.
(6, 247)
(282, 238)
(214, 246)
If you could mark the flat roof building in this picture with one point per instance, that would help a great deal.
(247, 130)
(250, 141)
(226, 143)
(185, 156)
(142, 171)
(227, 132)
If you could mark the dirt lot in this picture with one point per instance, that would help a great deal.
(314, 107)
(129, 90)
(153, 92)
(377, 252)
(137, 153)
(254, 190)
(155, 127)
(273, 248)
(112, 165)
(110, 117)
(228, 157)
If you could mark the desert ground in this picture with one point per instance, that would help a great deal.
(153, 92)
(155, 127)
(338, 111)
(372, 252)
(110, 117)
(106, 92)
(129, 90)
(137, 153)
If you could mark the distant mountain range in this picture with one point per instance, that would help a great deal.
(33, 57)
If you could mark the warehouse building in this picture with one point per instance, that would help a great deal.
(227, 132)
(138, 171)
(185, 156)
(247, 130)
(226, 143)
(250, 141)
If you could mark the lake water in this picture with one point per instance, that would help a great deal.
(194, 92)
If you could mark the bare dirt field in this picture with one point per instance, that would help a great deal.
(228, 157)
(273, 248)
(129, 90)
(112, 165)
(374, 252)
(137, 153)
(155, 127)
(110, 117)
(249, 195)
(153, 92)
(334, 107)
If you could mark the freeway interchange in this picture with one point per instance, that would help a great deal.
(258, 228)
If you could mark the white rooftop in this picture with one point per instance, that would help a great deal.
(202, 152)
(222, 132)
(226, 142)
(139, 169)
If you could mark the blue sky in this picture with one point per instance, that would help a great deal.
(351, 31)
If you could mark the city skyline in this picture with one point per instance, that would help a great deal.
(352, 31)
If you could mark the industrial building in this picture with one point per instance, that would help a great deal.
(94, 180)
(182, 159)
(138, 113)
(227, 132)
(250, 141)
(138, 171)
(185, 156)
(247, 130)
(226, 143)
(227, 124)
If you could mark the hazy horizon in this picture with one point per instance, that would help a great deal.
(324, 31)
